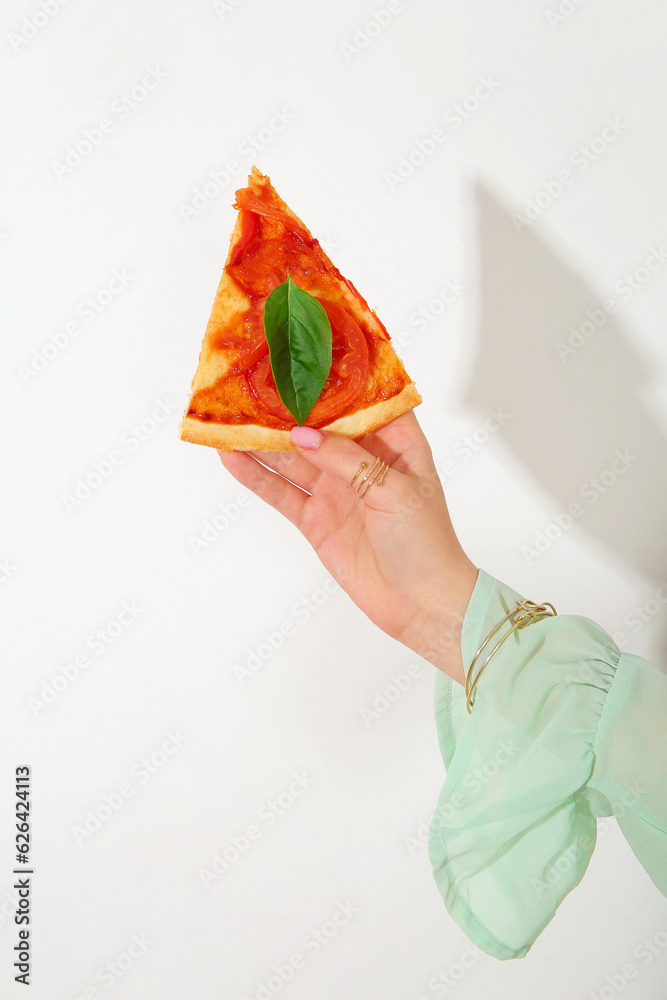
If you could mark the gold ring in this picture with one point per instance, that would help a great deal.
(375, 475)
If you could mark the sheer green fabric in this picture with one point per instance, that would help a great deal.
(564, 728)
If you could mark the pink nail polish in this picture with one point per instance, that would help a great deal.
(307, 437)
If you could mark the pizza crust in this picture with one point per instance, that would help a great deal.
(253, 437)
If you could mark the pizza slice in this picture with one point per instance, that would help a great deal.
(234, 403)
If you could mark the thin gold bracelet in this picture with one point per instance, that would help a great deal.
(528, 612)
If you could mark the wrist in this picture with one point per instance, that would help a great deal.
(434, 632)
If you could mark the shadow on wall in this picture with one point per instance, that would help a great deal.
(578, 421)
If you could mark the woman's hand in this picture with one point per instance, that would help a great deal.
(394, 551)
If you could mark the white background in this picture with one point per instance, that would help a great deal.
(358, 101)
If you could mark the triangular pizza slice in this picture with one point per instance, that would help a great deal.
(234, 402)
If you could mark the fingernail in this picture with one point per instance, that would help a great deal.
(307, 437)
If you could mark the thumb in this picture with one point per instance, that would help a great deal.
(344, 459)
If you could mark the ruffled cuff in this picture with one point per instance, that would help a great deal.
(514, 828)
(631, 761)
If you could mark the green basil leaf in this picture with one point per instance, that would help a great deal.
(298, 332)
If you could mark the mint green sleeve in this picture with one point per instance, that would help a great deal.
(564, 728)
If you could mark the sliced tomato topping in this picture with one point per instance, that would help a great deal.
(248, 229)
(245, 199)
(263, 385)
(349, 366)
(347, 377)
(252, 349)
